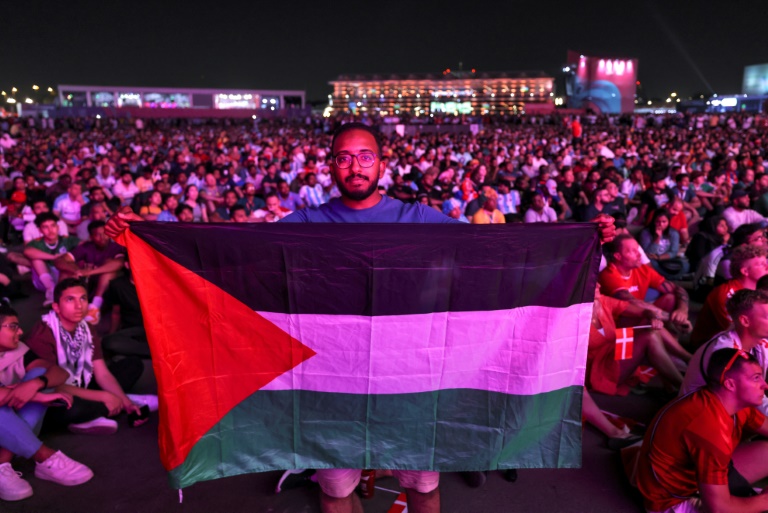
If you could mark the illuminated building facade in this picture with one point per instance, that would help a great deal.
(463, 92)
(177, 98)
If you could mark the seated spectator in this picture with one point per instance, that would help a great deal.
(508, 201)
(42, 254)
(400, 190)
(713, 233)
(747, 308)
(311, 193)
(599, 204)
(654, 198)
(661, 243)
(63, 337)
(748, 265)
(489, 214)
(27, 386)
(678, 219)
(752, 234)
(125, 189)
(97, 213)
(288, 199)
(686, 193)
(153, 208)
(692, 460)
(739, 212)
(31, 231)
(98, 260)
(170, 202)
(627, 278)
(224, 211)
(252, 202)
(126, 335)
(68, 206)
(452, 208)
(97, 196)
(607, 375)
(272, 212)
(238, 215)
(539, 212)
(184, 214)
(192, 198)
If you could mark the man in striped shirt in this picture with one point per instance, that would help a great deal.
(509, 200)
(312, 193)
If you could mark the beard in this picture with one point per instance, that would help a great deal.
(358, 195)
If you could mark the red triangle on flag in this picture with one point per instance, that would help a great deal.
(205, 363)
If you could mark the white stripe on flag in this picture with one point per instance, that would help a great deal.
(523, 351)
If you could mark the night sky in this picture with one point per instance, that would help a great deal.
(687, 47)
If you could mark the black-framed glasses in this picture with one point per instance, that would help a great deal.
(13, 326)
(364, 158)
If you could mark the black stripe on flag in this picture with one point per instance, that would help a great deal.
(386, 269)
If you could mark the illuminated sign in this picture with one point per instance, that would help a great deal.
(451, 107)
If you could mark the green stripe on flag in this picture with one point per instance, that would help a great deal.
(445, 430)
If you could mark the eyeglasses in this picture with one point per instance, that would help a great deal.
(365, 159)
(741, 353)
(14, 326)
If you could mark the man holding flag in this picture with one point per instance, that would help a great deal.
(357, 167)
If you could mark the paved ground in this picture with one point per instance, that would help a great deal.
(130, 478)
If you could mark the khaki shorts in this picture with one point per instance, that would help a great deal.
(341, 482)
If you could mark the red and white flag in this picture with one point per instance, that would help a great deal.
(400, 505)
(625, 338)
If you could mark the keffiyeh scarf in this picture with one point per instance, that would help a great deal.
(74, 351)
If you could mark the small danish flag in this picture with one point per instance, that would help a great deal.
(625, 338)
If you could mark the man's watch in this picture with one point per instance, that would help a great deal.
(45, 382)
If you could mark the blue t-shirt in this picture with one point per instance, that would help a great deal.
(388, 210)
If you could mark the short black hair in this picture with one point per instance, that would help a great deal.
(94, 225)
(45, 216)
(181, 208)
(356, 126)
(66, 283)
(612, 248)
(6, 311)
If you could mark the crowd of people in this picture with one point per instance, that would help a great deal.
(688, 194)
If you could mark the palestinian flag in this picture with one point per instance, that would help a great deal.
(392, 346)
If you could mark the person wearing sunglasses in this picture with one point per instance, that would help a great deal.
(749, 311)
(693, 458)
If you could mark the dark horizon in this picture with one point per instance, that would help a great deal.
(242, 45)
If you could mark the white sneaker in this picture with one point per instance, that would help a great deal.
(100, 426)
(12, 486)
(145, 400)
(63, 470)
(48, 297)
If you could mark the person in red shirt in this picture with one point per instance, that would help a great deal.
(627, 278)
(748, 265)
(692, 460)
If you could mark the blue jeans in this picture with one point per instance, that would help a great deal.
(19, 428)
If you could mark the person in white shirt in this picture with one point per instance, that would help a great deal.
(509, 200)
(69, 205)
(125, 189)
(748, 309)
(739, 212)
(540, 212)
(312, 193)
(31, 231)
